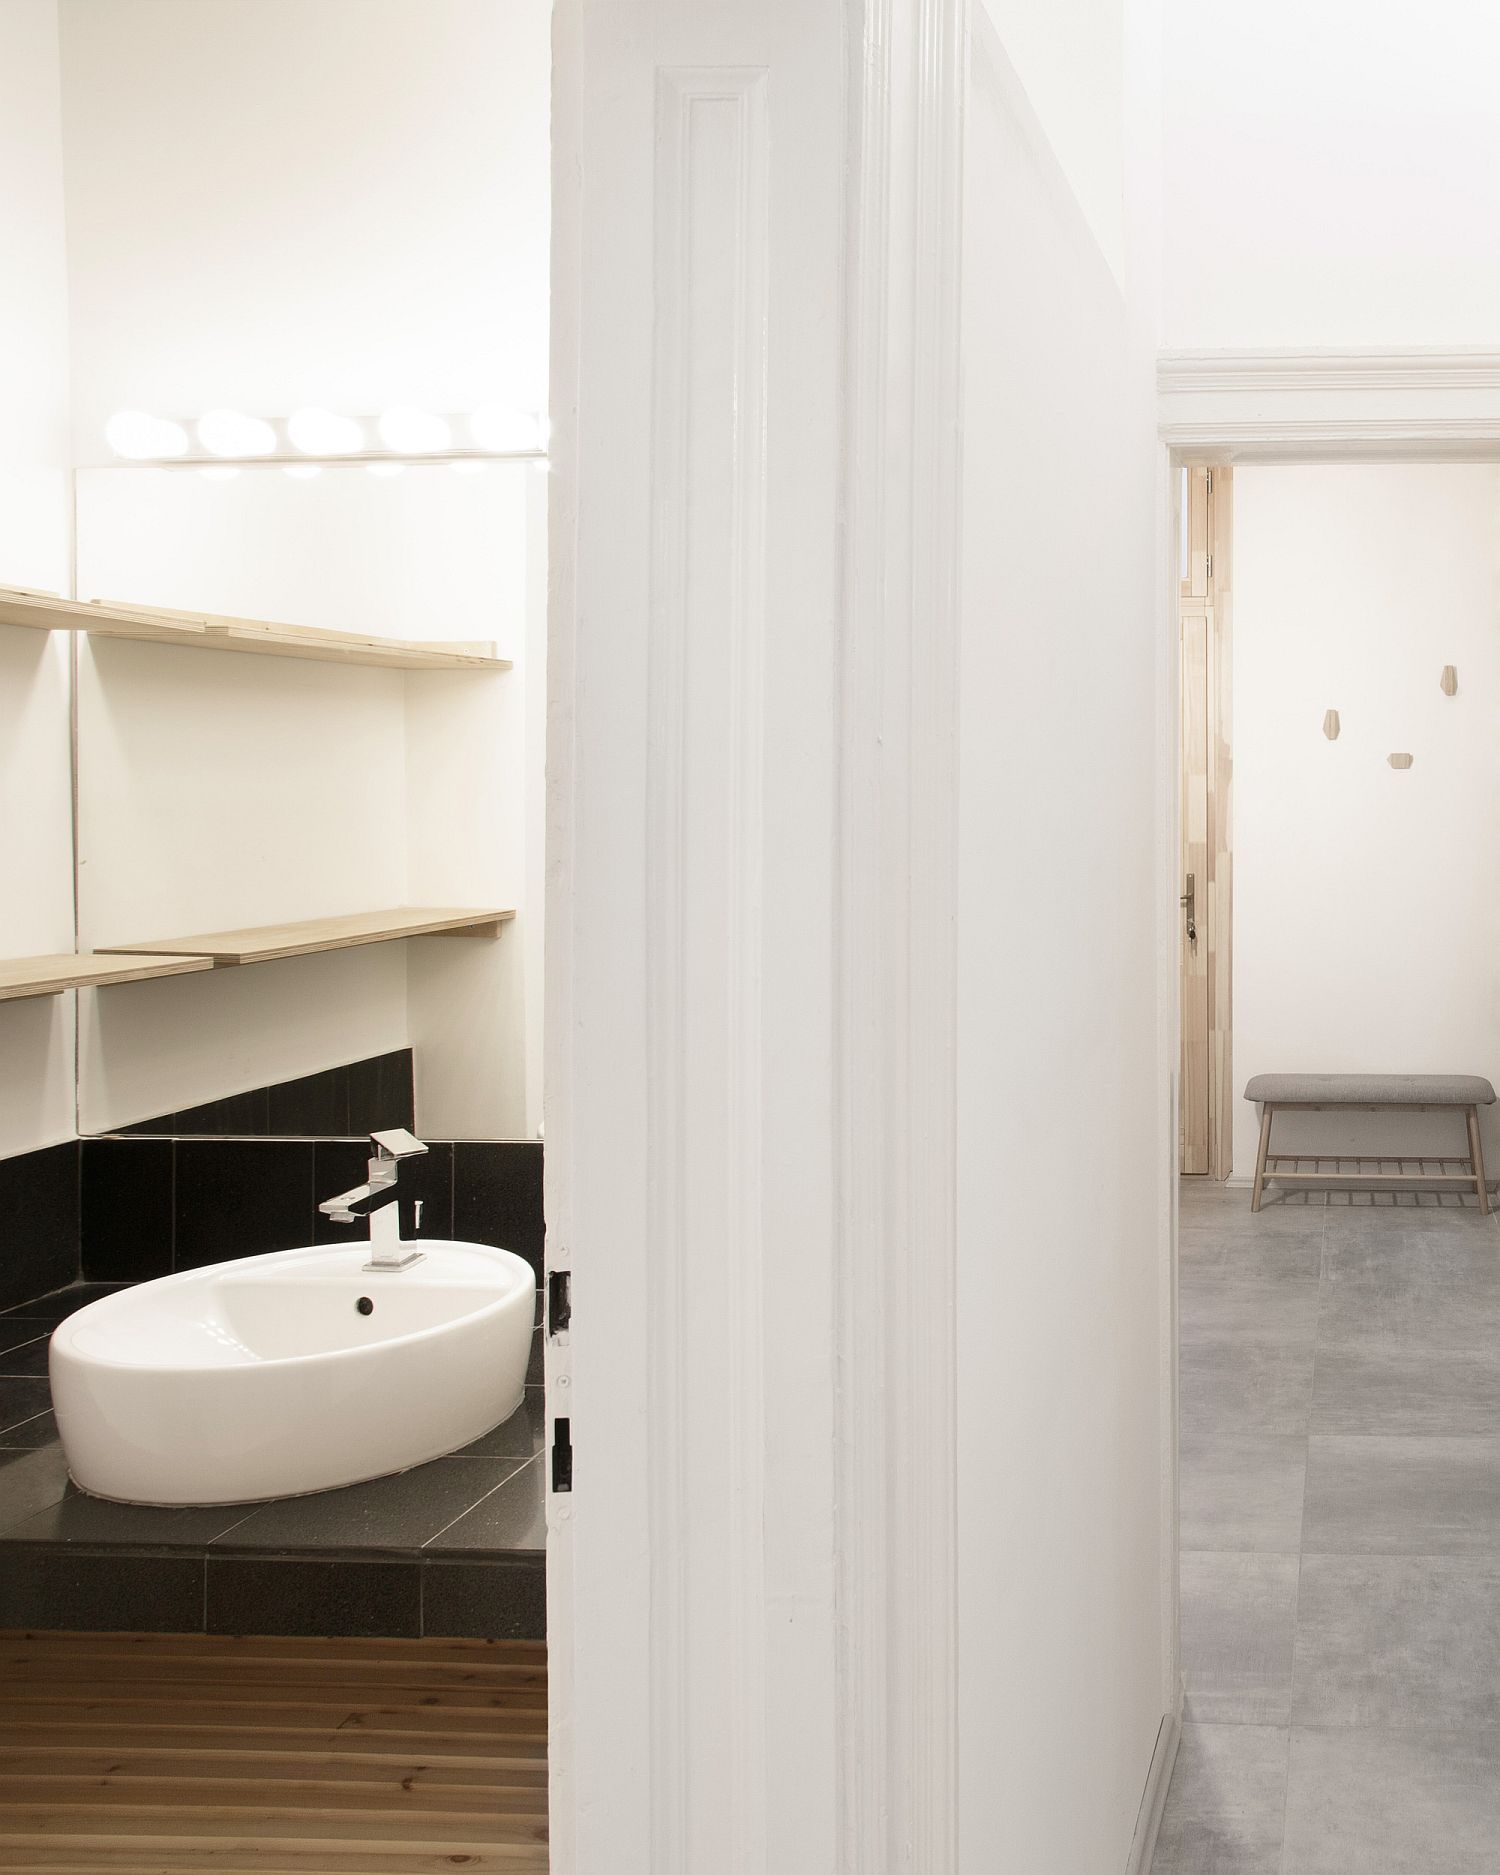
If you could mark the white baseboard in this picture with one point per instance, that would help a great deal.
(1153, 1799)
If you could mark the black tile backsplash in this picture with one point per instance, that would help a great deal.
(39, 1234)
(234, 1114)
(240, 1197)
(355, 1097)
(127, 1209)
(52, 1308)
(382, 1093)
(315, 1106)
(497, 1196)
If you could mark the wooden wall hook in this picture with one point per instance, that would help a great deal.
(1399, 761)
(1331, 725)
(1449, 680)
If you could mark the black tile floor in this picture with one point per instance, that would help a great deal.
(454, 1547)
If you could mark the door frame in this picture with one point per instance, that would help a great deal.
(1214, 907)
(1332, 406)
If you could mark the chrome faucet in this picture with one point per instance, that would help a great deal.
(376, 1200)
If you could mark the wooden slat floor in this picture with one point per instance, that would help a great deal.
(140, 1754)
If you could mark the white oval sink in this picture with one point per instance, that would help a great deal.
(266, 1377)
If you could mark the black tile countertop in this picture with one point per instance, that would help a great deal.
(456, 1546)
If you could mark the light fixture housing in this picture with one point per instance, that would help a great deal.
(407, 431)
(140, 437)
(506, 430)
(318, 432)
(232, 433)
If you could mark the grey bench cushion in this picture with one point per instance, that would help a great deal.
(1371, 1090)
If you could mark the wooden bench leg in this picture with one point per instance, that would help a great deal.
(1260, 1156)
(1476, 1162)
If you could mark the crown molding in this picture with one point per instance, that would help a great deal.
(1417, 369)
(1307, 439)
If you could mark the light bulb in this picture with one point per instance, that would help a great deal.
(412, 432)
(323, 433)
(302, 471)
(505, 430)
(142, 437)
(232, 433)
(384, 468)
(219, 472)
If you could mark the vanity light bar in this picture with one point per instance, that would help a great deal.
(228, 440)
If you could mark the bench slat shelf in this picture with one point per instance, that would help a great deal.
(210, 631)
(263, 943)
(51, 975)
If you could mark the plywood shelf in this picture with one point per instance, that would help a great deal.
(262, 943)
(50, 976)
(208, 631)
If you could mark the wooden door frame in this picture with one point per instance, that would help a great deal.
(1215, 902)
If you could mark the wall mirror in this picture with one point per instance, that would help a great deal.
(251, 397)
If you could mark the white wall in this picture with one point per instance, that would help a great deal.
(36, 902)
(1062, 1234)
(1332, 172)
(363, 222)
(1366, 913)
(1069, 56)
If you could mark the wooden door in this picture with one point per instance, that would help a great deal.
(1204, 1112)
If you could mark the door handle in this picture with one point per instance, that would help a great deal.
(1188, 902)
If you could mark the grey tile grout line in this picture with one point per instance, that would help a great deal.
(29, 1421)
(1291, 1696)
(172, 1220)
(484, 1497)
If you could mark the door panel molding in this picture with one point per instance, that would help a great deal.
(704, 897)
(897, 964)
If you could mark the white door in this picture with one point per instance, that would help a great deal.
(751, 691)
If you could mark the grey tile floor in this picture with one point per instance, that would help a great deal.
(1340, 1402)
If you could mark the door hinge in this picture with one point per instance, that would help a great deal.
(1210, 474)
(559, 1300)
(562, 1455)
(1210, 566)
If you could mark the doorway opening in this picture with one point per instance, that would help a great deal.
(1330, 1337)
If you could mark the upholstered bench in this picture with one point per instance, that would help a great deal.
(1371, 1093)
